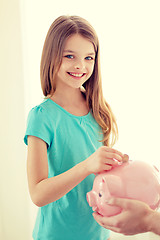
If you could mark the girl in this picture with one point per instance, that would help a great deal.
(69, 134)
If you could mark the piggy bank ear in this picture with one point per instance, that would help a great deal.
(104, 189)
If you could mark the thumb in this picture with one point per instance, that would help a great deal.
(120, 202)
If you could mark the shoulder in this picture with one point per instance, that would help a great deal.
(46, 113)
(40, 115)
(42, 110)
(37, 113)
(43, 106)
(39, 123)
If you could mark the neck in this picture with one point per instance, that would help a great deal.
(68, 96)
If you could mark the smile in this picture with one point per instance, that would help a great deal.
(78, 75)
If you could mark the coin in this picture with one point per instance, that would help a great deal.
(125, 158)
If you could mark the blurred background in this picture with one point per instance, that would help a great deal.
(130, 60)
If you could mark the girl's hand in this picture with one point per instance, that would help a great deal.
(103, 159)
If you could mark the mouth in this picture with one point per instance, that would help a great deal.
(76, 75)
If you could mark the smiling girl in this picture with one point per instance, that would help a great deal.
(70, 134)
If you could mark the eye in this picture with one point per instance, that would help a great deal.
(89, 58)
(69, 56)
(100, 195)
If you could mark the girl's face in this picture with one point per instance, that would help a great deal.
(77, 62)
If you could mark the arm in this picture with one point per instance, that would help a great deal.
(135, 218)
(44, 190)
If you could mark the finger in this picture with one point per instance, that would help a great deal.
(113, 229)
(108, 149)
(111, 161)
(125, 157)
(120, 202)
(98, 218)
(112, 155)
(107, 167)
(107, 222)
(101, 219)
(110, 223)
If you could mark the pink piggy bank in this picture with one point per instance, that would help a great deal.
(133, 180)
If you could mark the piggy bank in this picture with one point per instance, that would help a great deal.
(133, 180)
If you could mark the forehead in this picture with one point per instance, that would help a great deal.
(78, 43)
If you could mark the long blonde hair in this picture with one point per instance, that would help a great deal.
(60, 30)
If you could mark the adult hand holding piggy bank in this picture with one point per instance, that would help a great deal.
(133, 180)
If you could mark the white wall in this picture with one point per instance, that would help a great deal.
(130, 56)
(14, 199)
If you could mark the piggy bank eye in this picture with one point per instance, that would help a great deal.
(100, 195)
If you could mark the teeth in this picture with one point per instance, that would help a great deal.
(76, 74)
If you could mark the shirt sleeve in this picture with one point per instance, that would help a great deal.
(38, 125)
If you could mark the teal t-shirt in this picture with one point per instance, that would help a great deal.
(70, 139)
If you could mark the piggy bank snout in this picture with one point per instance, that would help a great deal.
(92, 198)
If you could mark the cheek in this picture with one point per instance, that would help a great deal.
(62, 71)
(65, 65)
(90, 69)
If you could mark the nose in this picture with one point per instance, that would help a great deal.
(79, 64)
